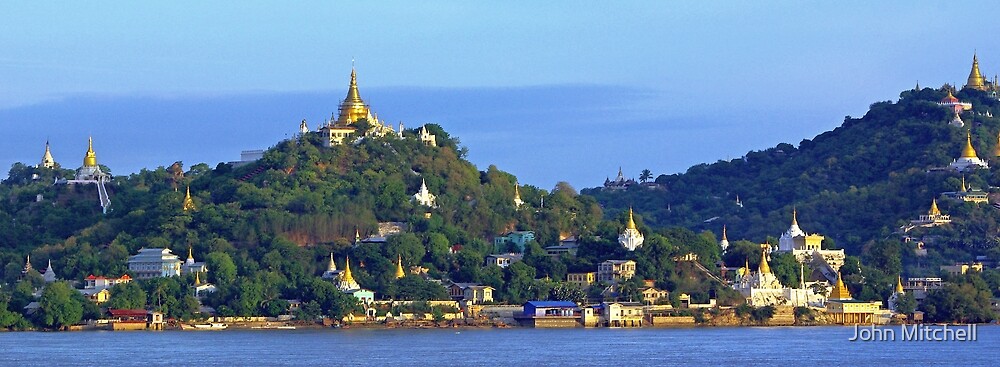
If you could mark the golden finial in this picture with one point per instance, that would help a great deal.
(399, 267)
(190, 253)
(963, 184)
(188, 202)
(899, 284)
(968, 151)
(764, 268)
(724, 233)
(934, 208)
(631, 222)
(795, 220)
(90, 160)
(197, 278)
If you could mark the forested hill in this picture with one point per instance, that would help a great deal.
(300, 194)
(859, 182)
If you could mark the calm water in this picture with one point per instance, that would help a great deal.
(817, 346)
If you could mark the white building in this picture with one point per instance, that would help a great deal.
(762, 288)
(49, 275)
(933, 218)
(631, 238)
(809, 247)
(424, 197)
(154, 263)
(191, 266)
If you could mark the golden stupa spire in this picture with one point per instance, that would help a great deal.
(840, 290)
(399, 267)
(188, 202)
(934, 208)
(631, 222)
(190, 253)
(197, 278)
(963, 184)
(332, 266)
(90, 160)
(724, 233)
(795, 219)
(899, 284)
(764, 268)
(517, 192)
(968, 151)
(976, 80)
(353, 108)
(346, 276)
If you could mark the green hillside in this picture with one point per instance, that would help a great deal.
(858, 183)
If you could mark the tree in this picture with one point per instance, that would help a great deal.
(128, 296)
(645, 175)
(57, 306)
(221, 267)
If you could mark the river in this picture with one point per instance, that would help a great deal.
(744, 346)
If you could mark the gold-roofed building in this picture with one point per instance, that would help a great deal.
(630, 238)
(933, 218)
(844, 309)
(969, 160)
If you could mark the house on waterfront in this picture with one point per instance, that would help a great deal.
(471, 293)
(154, 263)
(544, 314)
(845, 310)
(621, 314)
(125, 319)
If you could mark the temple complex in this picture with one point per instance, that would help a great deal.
(620, 183)
(969, 160)
(353, 109)
(631, 238)
(90, 171)
(762, 288)
(191, 266)
(933, 217)
(809, 248)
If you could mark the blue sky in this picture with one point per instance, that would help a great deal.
(550, 92)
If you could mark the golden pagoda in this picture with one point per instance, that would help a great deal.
(764, 268)
(399, 268)
(188, 202)
(353, 108)
(347, 282)
(899, 284)
(724, 234)
(976, 80)
(934, 208)
(840, 291)
(346, 275)
(197, 278)
(969, 151)
(90, 160)
(962, 189)
(47, 160)
(517, 197)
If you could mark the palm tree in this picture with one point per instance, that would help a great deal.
(645, 176)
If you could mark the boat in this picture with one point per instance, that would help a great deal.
(209, 326)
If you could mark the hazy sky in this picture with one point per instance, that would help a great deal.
(549, 91)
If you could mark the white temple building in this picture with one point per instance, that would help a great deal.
(424, 196)
(427, 138)
(49, 275)
(331, 272)
(933, 218)
(809, 248)
(631, 238)
(762, 288)
(191, 266)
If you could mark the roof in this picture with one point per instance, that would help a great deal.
(538, 304)
(126, 312)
